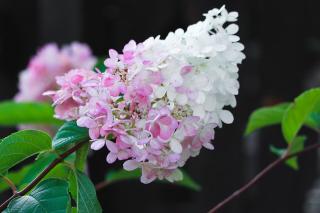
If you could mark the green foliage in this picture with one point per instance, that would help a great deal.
(21, 145)
(81, 157)
(37, 166)
(87, 201)
(13, 113)
(123, 175)
(49, 196)
(28, 172)
(305, 110)
(100, 65)
(296, 146)
(15, 176)
(314, 119)
(298, 112)
(266, 116)
(68, 134)
(60, 171)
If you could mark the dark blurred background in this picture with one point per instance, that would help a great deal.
(282, 40)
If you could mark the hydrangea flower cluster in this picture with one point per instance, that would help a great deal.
(159, 101)
(47, 64)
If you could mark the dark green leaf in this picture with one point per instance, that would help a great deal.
(73, 186)
(123, 175)
(21, 145)
(81, 157)
(298, 112)
(87, 201)
(60, 171)
(37, 167)
(13, 113)
(27, 173)
(15, 176)
(68, 134)
(50, 196)
(100, 65)
(266, 116)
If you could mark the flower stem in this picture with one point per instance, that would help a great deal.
(260, 175)
(10, 184)
(41, 175)
(101, 185)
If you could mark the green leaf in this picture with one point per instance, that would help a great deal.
(298, 112)
(277, 151)
(313, 120)
(188, 182)
(14, 113)
(37, 167)
(21, 145)
(81, 157)
(27, 173)
(68, 134)
(60, 171)
(114, 176)
(100, 64)
(49, 196)
(87, 201)
(123, 175)
(15, 176)
(73, 185)
(296, 146)
(266, 116)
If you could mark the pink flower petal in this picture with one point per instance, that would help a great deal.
(111, 157)
(112, 147)
(113, 53)
(86, 122)
(130, 165)
(123, 155)
(98, 144)
(94, 133)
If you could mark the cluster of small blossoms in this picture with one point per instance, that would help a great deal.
(47, 64)
(159, 101)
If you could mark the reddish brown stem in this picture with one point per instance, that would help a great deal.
(40, 176)
(260, 175)
(101, 185)
(10, 184)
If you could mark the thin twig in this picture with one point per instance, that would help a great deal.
(10, 184)
(41, 175)
(261, 175)
(101, 185)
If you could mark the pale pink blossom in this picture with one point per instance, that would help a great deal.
(50, 62)
(159, 101)
(161, 124)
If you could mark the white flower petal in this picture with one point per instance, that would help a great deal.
(232, 29)
(209, 146)
(182, 99)
(210, 103)
(175, 146)
(226, 116)
(201, 98)
(198, 111)
(160, 92)
(171, 93)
